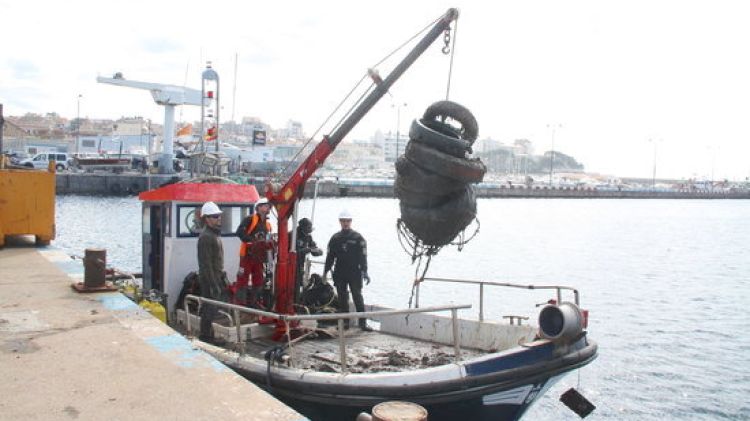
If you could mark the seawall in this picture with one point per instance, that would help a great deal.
(107, 184)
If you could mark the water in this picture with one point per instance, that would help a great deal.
(665, 281)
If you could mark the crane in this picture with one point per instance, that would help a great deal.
(286, 197)
(168, 96)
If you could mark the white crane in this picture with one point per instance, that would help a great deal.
(167, 95)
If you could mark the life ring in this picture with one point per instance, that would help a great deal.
(459, 169)
(439, 225)
(439, 136)
(449, 111)
(415, 179)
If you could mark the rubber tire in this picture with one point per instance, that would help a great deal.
(425, 199)
(439, 136)
(413, 178)
(442, 109)
(459, 169)
(59, 167)
(439, 225)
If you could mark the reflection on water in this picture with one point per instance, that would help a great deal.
(665, 282)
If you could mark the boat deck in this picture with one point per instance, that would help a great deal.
(366, 352)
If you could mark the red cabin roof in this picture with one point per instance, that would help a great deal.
(202, 192)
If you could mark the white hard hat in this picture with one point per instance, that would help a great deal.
(262, 201)
(345, 214)
(210, 208)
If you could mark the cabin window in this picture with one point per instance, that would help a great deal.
(146, 220)
(189, 225)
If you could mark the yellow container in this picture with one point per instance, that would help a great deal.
(155, 308)
(27, 204)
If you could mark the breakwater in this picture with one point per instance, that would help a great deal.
(107, 184)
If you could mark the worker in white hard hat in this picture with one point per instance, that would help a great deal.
(211, 275)
(255, 233)
(347, 256)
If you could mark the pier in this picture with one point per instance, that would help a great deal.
(111, 184)
(66, 355)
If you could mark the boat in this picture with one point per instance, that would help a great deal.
(456, 367)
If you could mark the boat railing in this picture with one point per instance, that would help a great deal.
(291, 319)
(557, 288)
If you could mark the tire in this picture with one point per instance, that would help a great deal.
(416, 180)
(445, 111)
(439, 225)
(459, 169)
(439, 136)
(424, 199)
(59, 167)
(29, 165)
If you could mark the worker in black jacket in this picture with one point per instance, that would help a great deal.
(347, 255)
(304, 245)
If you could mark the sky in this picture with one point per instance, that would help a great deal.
(622, 86)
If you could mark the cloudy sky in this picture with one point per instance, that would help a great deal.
(609, 75)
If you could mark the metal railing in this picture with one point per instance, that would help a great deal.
(481, 284)
(288, 319)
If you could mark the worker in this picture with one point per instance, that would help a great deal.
(347, 255)
(211, 275)
(305, 245)
(254, 232)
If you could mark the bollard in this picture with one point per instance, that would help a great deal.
(94, 266)
(94, 273)
(398, 411)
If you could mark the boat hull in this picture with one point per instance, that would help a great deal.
(494, 389)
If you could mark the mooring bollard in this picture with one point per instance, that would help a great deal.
(94, 273)
(94, 267)
(395, 411)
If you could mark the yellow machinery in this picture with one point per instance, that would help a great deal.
(27, 203)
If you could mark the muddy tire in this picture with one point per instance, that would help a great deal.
(439, 225)
(451, 113)
(439, 136)
(459, 169)
(421, 199)
(413, 178)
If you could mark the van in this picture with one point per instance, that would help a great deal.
(41, 160)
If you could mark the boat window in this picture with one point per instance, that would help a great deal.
(190, 225)
(146, 220)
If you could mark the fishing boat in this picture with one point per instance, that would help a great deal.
(456, 367)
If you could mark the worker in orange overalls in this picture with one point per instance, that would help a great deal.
(254, 232)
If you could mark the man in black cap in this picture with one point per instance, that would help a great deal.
(347, 255)
(305, 245)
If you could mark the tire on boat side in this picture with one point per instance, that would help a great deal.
(439, 225)
(443, 110)
(423, 199)
(460, 169)
(413, 178)
(439, 136)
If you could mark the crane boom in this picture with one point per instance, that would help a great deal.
(285, 198)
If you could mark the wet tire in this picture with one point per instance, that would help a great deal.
(439, 225)
(448, 112)
(459, 169)
(413, 178)
(439, 136)
(422, 199)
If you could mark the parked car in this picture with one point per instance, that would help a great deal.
(41, 160)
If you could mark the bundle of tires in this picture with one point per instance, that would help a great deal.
(435, 176)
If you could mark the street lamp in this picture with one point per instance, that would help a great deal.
(78, 121)
(653, 175)
(554, 128)
(398, 126)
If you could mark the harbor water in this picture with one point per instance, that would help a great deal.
(665, 282)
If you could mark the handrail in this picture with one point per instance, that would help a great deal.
(481, 284)
(286, 318)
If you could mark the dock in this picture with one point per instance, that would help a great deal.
(66, 355)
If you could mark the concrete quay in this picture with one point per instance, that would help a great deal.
(65, 355)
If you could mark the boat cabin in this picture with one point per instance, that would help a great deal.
(171, 225)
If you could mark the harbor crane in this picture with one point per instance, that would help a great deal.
(168, 96)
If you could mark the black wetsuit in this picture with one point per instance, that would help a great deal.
(305, 244)
(347, 254)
